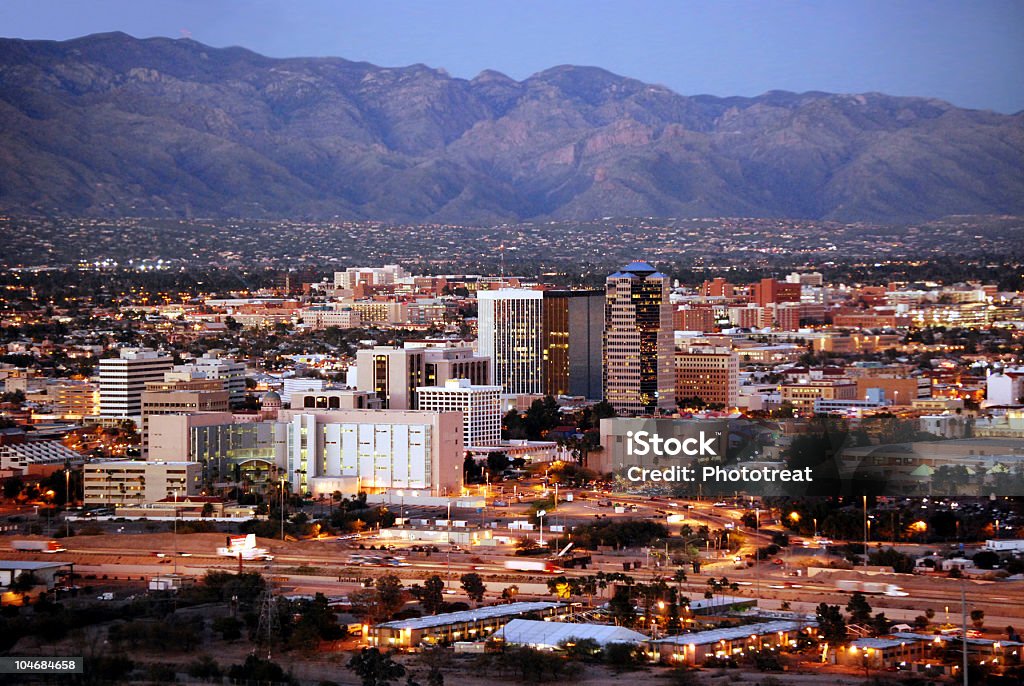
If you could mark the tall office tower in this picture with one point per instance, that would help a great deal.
(225, 369)
(393, 374)
(480, 407)
(573, 325)
(124, 378)
(638, 341)
(708, 372)
(511, 334)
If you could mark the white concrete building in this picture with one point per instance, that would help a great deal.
(374, 451)
(225, 369)
(124, 378)
(299, 384)
(480, 407)
(510, 324)
(1005, 387)
(369, 276)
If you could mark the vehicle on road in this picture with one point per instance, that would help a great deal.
(38, 546)
(533, 566)
(870, 587)
(244, 547)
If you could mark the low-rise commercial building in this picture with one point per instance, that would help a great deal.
(134, 482)
(468, 625)
(695, 648)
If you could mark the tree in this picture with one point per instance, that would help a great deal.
(901, 563)
(584, 649)
(474, 586)
(621, 606)
(255, 669)
(13, 486)
(859, 609)
(880, 624)
(623, 656)
(831, 624)
(390, 596)
(603, 410)
(978, 618)
(510, 592)
(229, 628)
(986, 559)
(375, 668)
(497, 463)
(24, 582)
(432, 594)
(364, 604)
(512, 426)
(471, 471)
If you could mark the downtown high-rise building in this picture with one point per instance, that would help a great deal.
(392, 374)
(639, 374)
(480, 407)
(510, 324)
(572, 327)
(124, 378)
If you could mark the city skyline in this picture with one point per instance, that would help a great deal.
(383, 368)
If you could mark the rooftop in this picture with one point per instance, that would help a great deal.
(469, 615)
(877, 643)
(533, 632)
(734, 632)
(27, 565)
(970, 641)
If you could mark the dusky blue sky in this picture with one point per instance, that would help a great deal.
(970, 52)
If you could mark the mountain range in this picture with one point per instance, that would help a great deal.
(109, 125)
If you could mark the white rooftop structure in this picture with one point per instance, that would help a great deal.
(736, 632)
(531, 632)
(469, 615)
(37, 453)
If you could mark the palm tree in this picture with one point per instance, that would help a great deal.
(680, 578)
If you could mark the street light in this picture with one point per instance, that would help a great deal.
(540, 516)
(175, 531)
(865, 530)
(282, 507)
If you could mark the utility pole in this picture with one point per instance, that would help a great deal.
(175, 532)
(282, 507)
(963, 631)
(757, 553)
(448, 554)
(865, 530)
(67, 496)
